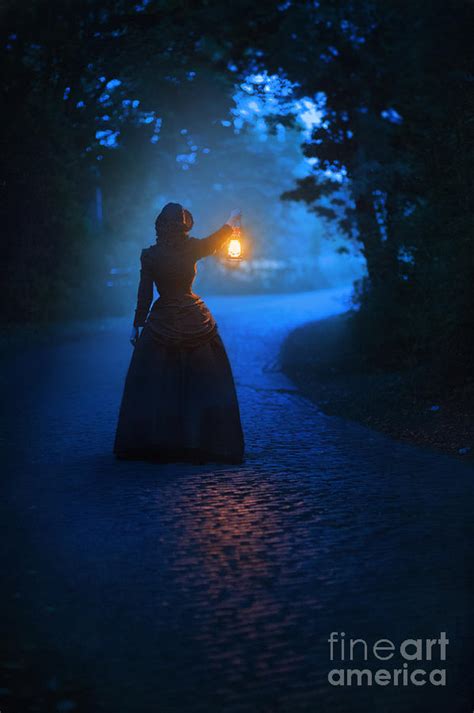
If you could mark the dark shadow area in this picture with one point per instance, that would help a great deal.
(429, 404)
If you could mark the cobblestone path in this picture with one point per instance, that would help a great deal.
(214, 589)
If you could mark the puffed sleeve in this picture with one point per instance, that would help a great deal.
(210, 245)
(145, 291)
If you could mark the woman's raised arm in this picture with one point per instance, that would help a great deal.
(215, 241)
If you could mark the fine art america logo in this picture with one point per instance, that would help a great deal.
(413, 662)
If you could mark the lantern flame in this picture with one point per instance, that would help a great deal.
(235, 249)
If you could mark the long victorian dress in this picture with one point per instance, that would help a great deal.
(179, 400)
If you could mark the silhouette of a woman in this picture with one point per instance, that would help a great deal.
(179, 400)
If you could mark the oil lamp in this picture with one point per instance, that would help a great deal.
(234, 248)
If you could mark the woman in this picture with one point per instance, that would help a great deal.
(179, 401)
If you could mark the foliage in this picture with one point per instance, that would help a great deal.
(398, 122)
(393, 82)
(80, 80)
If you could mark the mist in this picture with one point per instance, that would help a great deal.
(221, 150)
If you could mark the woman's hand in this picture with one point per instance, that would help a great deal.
(234, 218)
(134, 334)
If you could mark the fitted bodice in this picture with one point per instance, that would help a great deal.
(173, 270)
(178, 317)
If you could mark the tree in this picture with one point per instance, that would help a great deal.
(398, 122)
(393, 82)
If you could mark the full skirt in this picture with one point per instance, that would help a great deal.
(179, 403)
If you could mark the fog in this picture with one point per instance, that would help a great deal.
(222, 148)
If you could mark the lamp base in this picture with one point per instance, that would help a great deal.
(233, 261)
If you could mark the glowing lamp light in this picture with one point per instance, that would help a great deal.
(234, 249)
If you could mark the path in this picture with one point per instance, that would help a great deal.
(189, 589)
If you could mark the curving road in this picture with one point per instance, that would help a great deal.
(205, 589)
